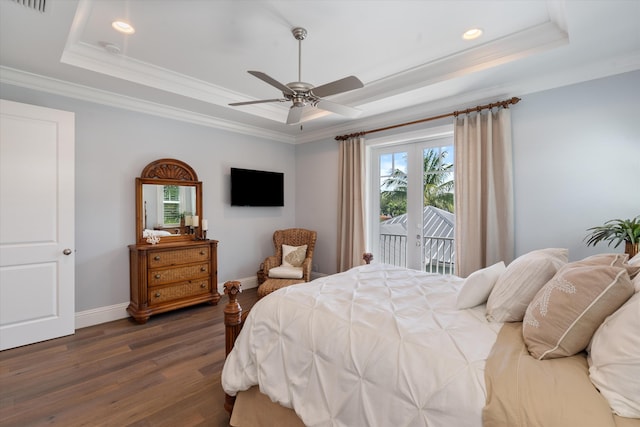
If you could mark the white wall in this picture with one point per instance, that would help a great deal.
(576, 165)
(112, 148)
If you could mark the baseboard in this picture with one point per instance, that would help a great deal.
(96, 316)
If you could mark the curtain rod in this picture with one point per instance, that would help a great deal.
(504, 104)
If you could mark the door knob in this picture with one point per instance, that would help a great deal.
(67, 251)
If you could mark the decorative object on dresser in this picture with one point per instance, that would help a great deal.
(181, 269)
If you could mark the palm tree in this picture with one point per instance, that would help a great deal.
(436, 182)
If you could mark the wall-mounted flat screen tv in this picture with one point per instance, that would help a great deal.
(256, 188)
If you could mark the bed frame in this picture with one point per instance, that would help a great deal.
(234, 318)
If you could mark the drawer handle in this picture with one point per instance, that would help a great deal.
(157, 276)
(202, 252)
(203, 285)
(203, 268)
(157, 294)
(157, 257)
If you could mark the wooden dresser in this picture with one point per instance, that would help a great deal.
(169, 276)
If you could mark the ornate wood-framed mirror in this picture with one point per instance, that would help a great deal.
(168, 195)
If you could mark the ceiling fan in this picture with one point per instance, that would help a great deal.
(302, 94)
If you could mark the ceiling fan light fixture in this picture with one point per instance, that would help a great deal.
(472, 33)
(301, 94)
(123, 27)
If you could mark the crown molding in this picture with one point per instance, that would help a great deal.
(72, 90)
(595, 70)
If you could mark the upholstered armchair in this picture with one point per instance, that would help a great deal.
(291, 263)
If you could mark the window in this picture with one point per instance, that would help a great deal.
(171, 205)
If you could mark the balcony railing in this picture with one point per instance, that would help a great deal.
(439, 252)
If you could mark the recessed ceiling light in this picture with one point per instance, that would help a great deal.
(123, 27)
(472, 34)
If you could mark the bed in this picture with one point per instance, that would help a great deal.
(380, 345)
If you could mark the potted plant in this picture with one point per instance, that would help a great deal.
(617, 231)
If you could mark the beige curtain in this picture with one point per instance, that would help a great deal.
(351, 215)
(483, 190)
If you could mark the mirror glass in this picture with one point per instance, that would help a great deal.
(168, 195)
(167, 206)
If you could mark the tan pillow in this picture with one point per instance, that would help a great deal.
(518, 284)
(604, 259)
(565, 313)
(618, 260)
(293, 256)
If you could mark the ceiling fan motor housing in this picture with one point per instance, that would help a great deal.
(299, 33)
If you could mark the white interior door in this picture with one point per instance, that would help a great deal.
(37, 296)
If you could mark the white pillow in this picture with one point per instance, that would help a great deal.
(284, 272)
(522, 279)
(614, 359)
(293, 256)
(635, 260)
(636, 283)
(477, 287)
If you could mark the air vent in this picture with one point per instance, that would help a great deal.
(33, 4)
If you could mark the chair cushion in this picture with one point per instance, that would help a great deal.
(284, 272)
(293, 256)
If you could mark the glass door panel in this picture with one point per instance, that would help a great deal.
(412, 216)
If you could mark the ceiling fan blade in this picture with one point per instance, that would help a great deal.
(338, 108)
(273, 82)
(343, 85)
(235, 104)
(295, 114)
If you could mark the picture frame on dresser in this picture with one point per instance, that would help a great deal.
(177, 267)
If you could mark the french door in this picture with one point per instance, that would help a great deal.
(411, 204)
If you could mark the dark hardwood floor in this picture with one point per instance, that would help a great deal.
(163, 373)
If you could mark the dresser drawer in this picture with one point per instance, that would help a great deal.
(178, 256)
(159, 277)
(179, 290)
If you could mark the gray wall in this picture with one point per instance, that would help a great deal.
(112, 148)
(576, 162)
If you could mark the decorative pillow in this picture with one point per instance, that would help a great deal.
(293, 256)
(565, 313)
(614, 359)
(635, 260)
(618, 260)
(636, 283)
(516, 287)
(284, 272)
(604, 259)
(477, 287)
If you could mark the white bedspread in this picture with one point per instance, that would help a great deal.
(377, 345)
